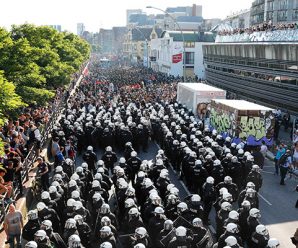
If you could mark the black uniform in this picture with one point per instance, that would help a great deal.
(90, 158)
(30, 228)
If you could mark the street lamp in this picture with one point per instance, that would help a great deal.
(151, 7)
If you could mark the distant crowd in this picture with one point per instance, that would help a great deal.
(266, 26)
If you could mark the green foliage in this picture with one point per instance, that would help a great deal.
(1, 148)
(40, 59)
(95, 48)
(10, 101)
(35, 95)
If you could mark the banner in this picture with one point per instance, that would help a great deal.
(85, 72)
(177, 58)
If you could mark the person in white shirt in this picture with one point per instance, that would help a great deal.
(264, 149)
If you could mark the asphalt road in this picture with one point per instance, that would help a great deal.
(277, 205)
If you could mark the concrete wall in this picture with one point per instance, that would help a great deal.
(281, 51)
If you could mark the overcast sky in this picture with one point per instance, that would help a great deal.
(97, 14)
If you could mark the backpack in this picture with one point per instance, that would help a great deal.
(71, 152)
(283, 159)
(32, 135)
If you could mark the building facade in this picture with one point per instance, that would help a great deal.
(136, 43)
(130, 12)
(166, 53)
(105, 40)
(194, 10)
(239, 20)
(80, 28)
(118, 37)
(276, 11)
(266, 73)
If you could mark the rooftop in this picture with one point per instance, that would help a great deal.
(242, 105)
(190, 36)
(140, 34)
(199, 87)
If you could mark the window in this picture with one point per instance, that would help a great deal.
(189, 44)
(270, 15)
(283, 4)
(282, 15)
(189, 57)
(295, 15)
(270, 6)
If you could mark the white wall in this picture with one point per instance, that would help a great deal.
(166, 48)
(199, 61)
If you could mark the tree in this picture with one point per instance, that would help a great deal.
(38, 60)
(10, 101)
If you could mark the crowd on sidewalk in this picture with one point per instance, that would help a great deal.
(266, 26)
(19, 137)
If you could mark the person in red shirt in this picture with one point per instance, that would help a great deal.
(5, 187)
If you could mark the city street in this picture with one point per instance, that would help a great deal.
(277, 203)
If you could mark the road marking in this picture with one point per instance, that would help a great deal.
(212, 229)
(185, 188)
(268, 172)
(265, 200)
(268, 166)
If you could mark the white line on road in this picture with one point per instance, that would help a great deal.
(265, 200)
(268, 172)
(185, 188)
(212, 229)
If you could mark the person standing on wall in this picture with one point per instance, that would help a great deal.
(13, 224)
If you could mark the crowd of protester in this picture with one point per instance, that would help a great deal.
(266, 26)
(21, 136)
(119, 200)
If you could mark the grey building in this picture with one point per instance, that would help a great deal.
(118, 37)
(105, 40)
(276, 11)
(80, 28)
